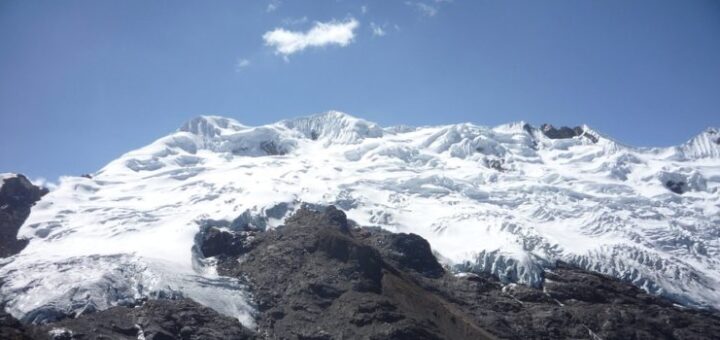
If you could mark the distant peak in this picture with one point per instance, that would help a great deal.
(712, 131)
(211, 126)
(705, 144)
(561, 132)
(565, 132)
(711, 134)
(335, 127)
(335, 114)
(518, 126)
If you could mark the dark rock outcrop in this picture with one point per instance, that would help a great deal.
(11, 328)
(407, 251)
(321, 277)
(617, 310)
(565, 132)
(17, 196)
(677, 187)
(154, 320)
(497, 164)
(217, 242)
(575, 304)
(318, 278)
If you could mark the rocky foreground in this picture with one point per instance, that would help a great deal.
(321, 277)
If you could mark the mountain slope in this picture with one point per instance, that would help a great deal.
(332, 279)
(509, 200)
(321, 276)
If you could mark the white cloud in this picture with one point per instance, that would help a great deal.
(286, 42)
(377, 30)
(273, 5)
(363, 9)
(428, 9)
(241, 64)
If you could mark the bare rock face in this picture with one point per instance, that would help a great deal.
(17, 196)
(216, 242)
(154, 320)
(321, 277)
(560, 133)
(409, 252)
(615, 310)
(316, 277)
(11, 328)
(678, 187)
(576, 304)
(565, 132)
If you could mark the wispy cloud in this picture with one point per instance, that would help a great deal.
(363, 9)
(377, 30)
(423, 8)
(273, 5)
(295, 21)
(428, 8)
(241, 64)
(286, 42)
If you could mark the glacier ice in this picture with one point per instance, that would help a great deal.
(506, 200)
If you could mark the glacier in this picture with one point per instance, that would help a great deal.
(509, 200)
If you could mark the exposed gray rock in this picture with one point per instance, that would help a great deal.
(676, 187)
(497, 164)
(330, 280)
(154, 320)
(17, 196)
(216, 242)
(327, 281)
(11, 328)
(565, 132)
(407, 251)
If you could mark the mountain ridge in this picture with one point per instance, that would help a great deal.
(230, 124)
(504, 201)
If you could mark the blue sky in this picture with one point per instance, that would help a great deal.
(82, 82)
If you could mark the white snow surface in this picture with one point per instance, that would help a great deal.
(505, 200)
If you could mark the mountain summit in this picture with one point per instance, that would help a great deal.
(509, 201)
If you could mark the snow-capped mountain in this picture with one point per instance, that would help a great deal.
(509, 200)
